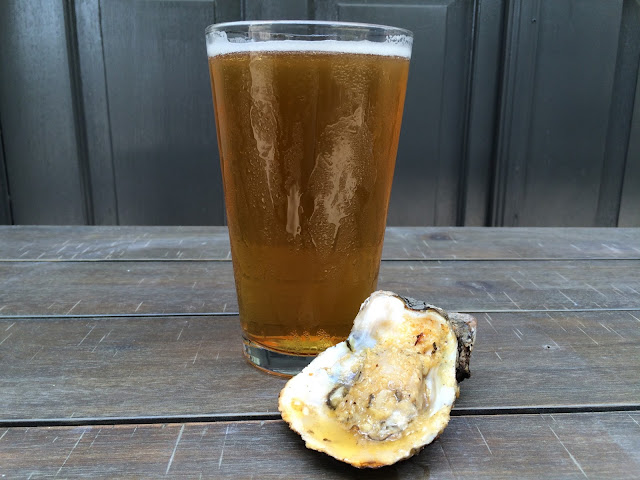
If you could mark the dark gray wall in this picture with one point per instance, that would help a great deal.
(5, 211)
(520, 112)
(160, 109)
(630, 201)
(569, 83)
(38, 114)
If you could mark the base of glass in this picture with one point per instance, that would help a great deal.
(276, 363)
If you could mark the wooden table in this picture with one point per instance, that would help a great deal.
(120, 355)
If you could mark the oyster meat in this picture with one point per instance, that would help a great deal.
(385, 392)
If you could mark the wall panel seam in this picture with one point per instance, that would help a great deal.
(108, 108)
(628, 36)
(505, 113)
(490, 217)
(4, 181)
(75, 82)
(463, 180)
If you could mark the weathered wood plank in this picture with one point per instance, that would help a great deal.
(409, 243)
(114, 243)
(129, 367)
(510, 243)
(602, 445)
(121, 288)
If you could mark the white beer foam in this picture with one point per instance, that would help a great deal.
(394, 46)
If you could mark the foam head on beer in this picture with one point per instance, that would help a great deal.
(394, 46)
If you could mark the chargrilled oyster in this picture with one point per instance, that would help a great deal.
(385, 392)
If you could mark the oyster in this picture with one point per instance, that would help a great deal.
(385, 392)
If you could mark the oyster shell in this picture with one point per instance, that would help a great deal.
(385, 392)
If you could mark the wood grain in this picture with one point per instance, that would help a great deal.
(597, 445)
(164, 288)
(128, 367)
(63, 243)
(113, 243)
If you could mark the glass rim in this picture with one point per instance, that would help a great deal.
(372, 27)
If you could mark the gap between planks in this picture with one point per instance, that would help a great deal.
(235, 314)
(239, 417)
(393, 259)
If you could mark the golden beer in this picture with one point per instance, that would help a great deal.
(308, 134)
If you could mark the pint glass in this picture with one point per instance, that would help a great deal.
(308, 117)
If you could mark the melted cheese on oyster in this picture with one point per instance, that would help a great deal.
(384, 393)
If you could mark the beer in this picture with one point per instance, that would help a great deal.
(308, 133)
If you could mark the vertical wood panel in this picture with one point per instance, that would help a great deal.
(630, 200)
(620, 116)
(483, 103)
(519, 55)
(37, 114)
(430, 162)
(5, 204)
(96, 112)
(629, 215)
(276, 10)
(227, 10)
(558, 97)
(166, 163)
